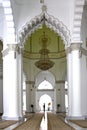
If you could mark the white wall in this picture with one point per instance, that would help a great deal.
(60, 96)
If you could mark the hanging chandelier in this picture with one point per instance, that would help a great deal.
(44, 63)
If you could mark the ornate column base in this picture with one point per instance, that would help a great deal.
(12, 118)
(75, 118)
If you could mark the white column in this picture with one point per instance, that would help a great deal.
(11, 87)
(20, 81)
(69, 79)
(74, 81)
(33, 95)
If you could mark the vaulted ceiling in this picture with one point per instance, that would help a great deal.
(55, 44)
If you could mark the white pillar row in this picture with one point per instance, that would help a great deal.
(28, 96)
(74, 81)
(20, 79)
(12, 83)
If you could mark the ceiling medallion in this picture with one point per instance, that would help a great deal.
(44, 63)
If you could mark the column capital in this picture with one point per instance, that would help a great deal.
(75, 46)
(72, 47)
(15, 47)
(68, 50)
(12, 47)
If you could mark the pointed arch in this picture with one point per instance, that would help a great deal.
(51, 22)
(45, 85)
(45, 75)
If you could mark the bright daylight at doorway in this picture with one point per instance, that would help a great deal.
(45, 99)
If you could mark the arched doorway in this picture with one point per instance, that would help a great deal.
(45, 82)
(45, 99)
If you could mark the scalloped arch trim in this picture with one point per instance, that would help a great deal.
(51, 22)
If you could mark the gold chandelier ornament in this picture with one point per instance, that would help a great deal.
(44, 63)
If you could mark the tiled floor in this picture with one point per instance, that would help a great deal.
(75, 126)
(43, 125)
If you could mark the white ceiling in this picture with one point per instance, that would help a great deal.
(25, 10)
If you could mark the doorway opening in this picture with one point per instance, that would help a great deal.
(45, 99)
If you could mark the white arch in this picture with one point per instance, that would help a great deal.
(45, 85)
(50, 21)
(45, 75)
(78, 10)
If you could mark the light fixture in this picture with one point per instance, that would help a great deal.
(44, 63)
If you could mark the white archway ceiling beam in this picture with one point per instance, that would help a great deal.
(50, 21)
(9, 22)
(77, 21)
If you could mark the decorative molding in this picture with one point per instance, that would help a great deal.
(60, 81)
(13, 47)
(35, 56)
(68, 50)
(51, 22)
(75, 46)
(84, 51)
(41, 90)
(30, 82)
(5, 52)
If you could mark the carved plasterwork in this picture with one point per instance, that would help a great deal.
(50, 22)
(12, 47)
(84, 51)
(77, 46)
(68, 50)
(73, 46)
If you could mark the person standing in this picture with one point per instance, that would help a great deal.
(44, 107)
